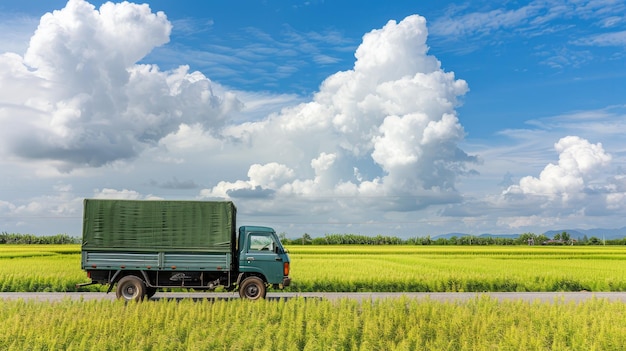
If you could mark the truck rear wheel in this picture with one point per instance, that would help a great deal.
(131, 288)
(252, 288)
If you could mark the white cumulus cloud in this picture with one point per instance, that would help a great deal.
(578, 161)
(78, 98)
(392, 117)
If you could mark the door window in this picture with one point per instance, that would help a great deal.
(261, 243)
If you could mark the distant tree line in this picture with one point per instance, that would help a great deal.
(524, 239)
(6, 238)
(356, 239)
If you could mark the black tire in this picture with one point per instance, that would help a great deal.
(131, 288)
(252, 288)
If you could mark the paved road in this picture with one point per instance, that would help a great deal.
(449, 297)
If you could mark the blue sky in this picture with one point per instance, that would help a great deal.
(321, 117)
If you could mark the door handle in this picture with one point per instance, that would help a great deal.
(250, 258)
(278, 258)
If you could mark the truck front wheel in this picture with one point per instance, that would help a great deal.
(131, 288)
(252, 288)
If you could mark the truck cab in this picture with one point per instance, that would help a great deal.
(262, 260)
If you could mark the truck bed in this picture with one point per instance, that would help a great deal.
(166, 261)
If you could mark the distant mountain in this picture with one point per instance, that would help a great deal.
(599, 233)
(505, 236)
(485, 235)
(573, 233)
(449, 235)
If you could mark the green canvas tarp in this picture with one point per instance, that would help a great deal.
(144, 225)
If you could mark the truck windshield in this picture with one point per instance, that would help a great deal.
(261, 242)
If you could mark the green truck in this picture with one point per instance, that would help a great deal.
(141, 246)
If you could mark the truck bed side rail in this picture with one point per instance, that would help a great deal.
(156, 261)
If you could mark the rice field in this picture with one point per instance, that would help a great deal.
(312, 324)
(458, 268)
(40, 268)
(315, 324)
(374, 268)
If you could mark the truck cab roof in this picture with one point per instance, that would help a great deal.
(255, 228)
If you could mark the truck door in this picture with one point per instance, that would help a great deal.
(261, 255)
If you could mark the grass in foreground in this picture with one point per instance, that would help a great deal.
(311, 324)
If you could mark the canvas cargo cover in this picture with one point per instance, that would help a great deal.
(136, 225)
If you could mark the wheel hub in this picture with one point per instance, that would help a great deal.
(130, 291)
(252, 291)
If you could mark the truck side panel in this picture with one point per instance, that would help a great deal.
(166, 261)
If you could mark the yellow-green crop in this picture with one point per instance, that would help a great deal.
(40, 268)
(458, 268)
(312, 324)
(374, 268)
